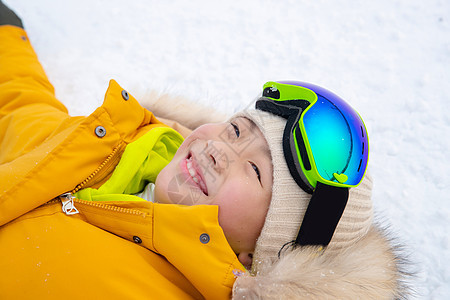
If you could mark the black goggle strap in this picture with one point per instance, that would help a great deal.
(322, 216)
(328, 202)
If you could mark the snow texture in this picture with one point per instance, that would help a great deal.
(390, 59)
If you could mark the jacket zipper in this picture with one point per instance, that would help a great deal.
(109, 207)
(68, 205)
(68, 200)
(99, 168)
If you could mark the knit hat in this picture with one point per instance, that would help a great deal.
(289, 202)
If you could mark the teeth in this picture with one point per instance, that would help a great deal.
(192, 171)
(194, 176)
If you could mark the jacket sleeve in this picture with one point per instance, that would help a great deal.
(30, 119)
(43, 151)
(27, 99)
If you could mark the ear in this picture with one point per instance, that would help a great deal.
(246, 259)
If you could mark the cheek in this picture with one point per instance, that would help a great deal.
(241, 215)
(235, 199)
(232, 210)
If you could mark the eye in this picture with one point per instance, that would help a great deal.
(258, 174)
(236, 129)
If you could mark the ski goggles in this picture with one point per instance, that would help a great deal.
(325, 140)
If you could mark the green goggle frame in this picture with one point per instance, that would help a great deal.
(326, 148)
(325, 140)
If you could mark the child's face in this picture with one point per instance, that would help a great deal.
(225, 164)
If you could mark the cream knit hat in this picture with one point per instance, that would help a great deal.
(289, 202)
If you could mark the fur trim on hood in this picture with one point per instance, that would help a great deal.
(369, 269)
(180, 109)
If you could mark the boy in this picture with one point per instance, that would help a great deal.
(102, 241)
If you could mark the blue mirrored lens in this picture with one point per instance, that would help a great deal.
(337, 139)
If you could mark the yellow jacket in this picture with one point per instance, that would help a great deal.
(109, 250)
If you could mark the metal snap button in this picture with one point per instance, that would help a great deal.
(100, 131)
(204, 238)
(137, 239)
(125, 95)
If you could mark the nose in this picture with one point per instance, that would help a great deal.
(219, 155)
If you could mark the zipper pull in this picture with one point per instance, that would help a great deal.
(67, 204)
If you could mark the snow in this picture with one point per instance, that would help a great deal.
(390, 59)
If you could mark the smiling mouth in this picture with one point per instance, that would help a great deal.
(194, 172)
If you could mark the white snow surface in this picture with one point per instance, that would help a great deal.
(390, 59)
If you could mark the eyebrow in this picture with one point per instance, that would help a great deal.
(252, 124)
(264, 149)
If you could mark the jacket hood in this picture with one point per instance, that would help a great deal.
(369, 269)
